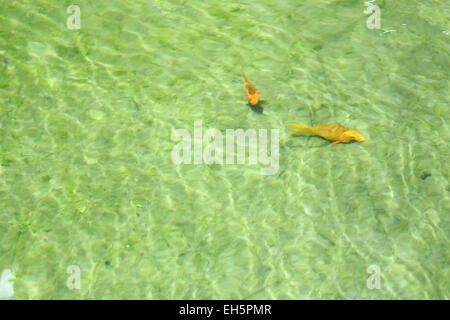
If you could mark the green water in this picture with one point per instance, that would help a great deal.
(87, 179)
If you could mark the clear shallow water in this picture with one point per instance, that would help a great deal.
(87, 179)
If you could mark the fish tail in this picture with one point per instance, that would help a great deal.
(298, 128)
(242, 71)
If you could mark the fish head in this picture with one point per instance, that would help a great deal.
(353, 135)
(254, 99)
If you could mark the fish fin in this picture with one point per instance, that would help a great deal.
(297, 128)
(336, 142)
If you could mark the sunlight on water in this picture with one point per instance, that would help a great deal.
(93, 206)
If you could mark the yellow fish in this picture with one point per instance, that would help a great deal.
(252, 94)
(331, 132)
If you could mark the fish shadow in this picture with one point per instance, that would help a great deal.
(326, 143)
(258, 108)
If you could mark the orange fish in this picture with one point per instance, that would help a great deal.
(252, 93)
(331, 132)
